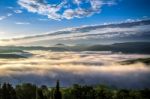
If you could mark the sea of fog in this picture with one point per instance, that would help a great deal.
(92, 68)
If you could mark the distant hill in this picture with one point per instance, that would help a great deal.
(13, 52)
(142, 60)
(13, 56)
(60, 44)
(127, 47)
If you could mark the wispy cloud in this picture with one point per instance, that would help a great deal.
(9, 14)
(18, 11)
(131, 30)
(2, 17)
(22, 23)
(10, 7)
(63, 10)
(6, 16)
(43, 19)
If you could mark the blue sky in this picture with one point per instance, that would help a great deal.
(32, 17)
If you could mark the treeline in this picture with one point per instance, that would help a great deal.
(31, 91)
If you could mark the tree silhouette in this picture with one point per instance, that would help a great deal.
(57, 93)
(7, 92)
(26, 91)
(40, 94)
(0, 92)
(30, 91)
(11, 91)
(82, 92)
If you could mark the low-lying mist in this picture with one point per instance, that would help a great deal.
(45, 67)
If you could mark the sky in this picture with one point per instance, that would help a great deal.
(19, 18)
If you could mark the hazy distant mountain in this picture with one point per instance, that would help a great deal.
(133, 61)
(127, 47)
(134, 31)
(59, 45)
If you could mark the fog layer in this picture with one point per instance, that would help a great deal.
(46, 67)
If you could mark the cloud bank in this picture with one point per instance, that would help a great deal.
(109, 33)
(76, 67)
(65, 9)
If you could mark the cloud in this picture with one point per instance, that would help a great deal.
(22, 23)
(2, 17)
(9, 14)
(10, 7)
(65, 9)
(18, 11)
(43, 19)
(6, 16)
(132, 30)
(76, 67)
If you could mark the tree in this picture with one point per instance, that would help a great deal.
(103, 92)
(123, 94)
(26, 91)
(11, 92)
(82, 92)
(57, 93)
(145, 93)
(46, 92)
(8, 92)
(4, 91)
(40, 94)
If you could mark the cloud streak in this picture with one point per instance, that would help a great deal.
(18, 11)
(135, 30)
(2, 17)
(6, 16)
(66, 9)
(22, 23)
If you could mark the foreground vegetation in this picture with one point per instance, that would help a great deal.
(30, 91)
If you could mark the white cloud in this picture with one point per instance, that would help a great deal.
(64, 10)
(43, 19)
(96, 4)
(130, 20)
(71, 67)
(78, 1)
(22, 23)
(10, 7)
(37, 6)
(69, 13)
(18, 11)
(9, 14)
(2, 17)
(87, 33)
